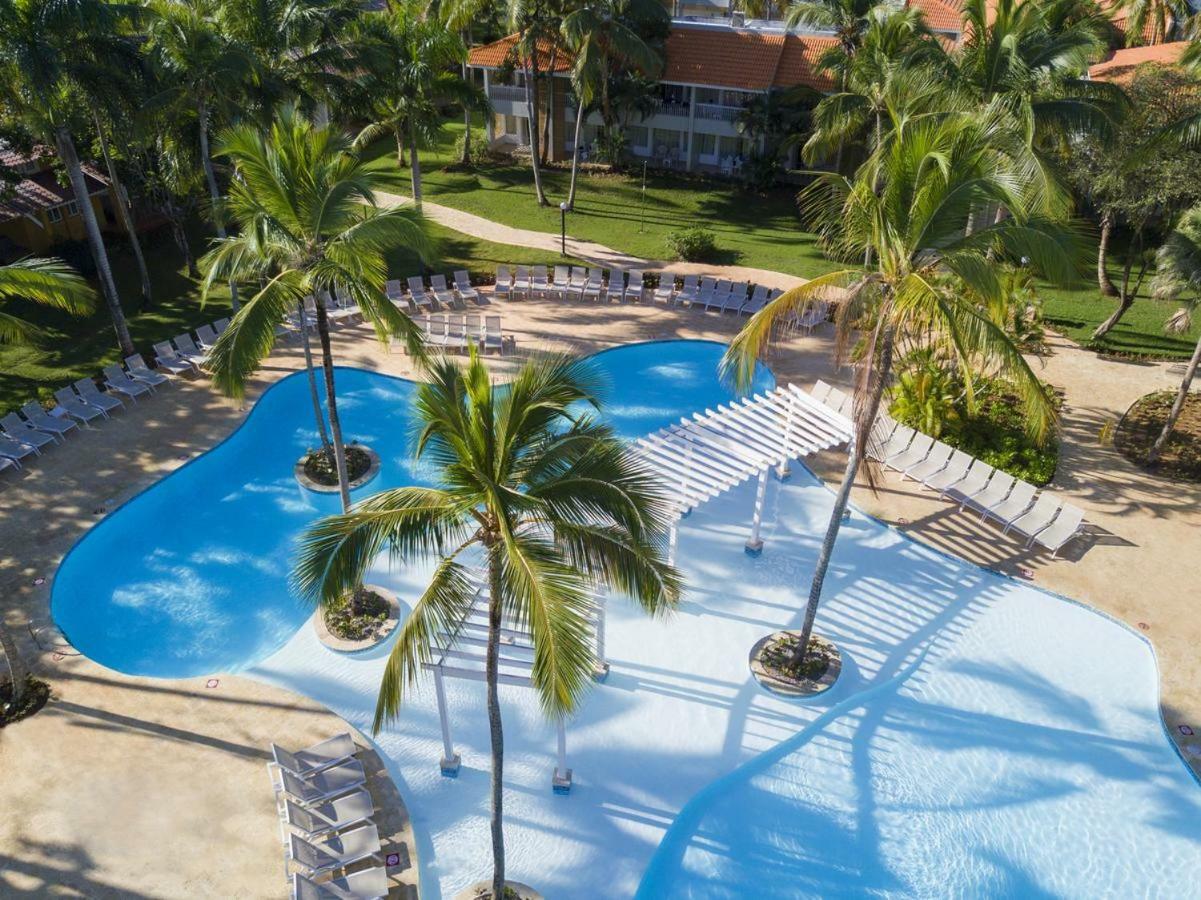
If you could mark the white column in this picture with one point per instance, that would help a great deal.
(490, 119)
(561, 781)
(691, 120)
(601, 671)
(755, 545)
(450, 760)
(784, 470)
(673, 538)
(684, 477)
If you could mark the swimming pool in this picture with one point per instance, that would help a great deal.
(190, 576)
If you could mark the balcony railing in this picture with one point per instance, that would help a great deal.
(506, 92)
(671, 108)
(717, 111)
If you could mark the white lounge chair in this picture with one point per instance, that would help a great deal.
(521, 281)
(436, 331)
(665, 293)
(562, 282)
(165, 357)
(504, 283)
(736, 298)
(24, 433)
(1014, 505)
(418, 295)
(616, 287)
(117, 381)
(897, 442)
(74, 406)
(206, 337)
(688, 292)
(634, 287)
(837, 400)
(464, 289)
(393, 291)
(1037, 517)
(16, 450)
(442, 292)
(91, 395)
(595, 285)
(43, 421)
(539, 282)
(327, 754)
(336, 312)
(456, 334)
(326, 784)
(955, 471)
(186, 347)
(972, 484)
(475, 331)
(335, 852)
(821, 390)
(579, 279)
(935, 461)
(757, 302)
(1066, 526)
(994, 492)
(717, 297)
(366, 884)
(912, 455)
(326, 818)
(493, 337)
(220, 325)
(139, 371)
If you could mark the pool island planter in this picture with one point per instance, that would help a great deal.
(342, 645)
(306, 482)
(787, 687)
(484, 889)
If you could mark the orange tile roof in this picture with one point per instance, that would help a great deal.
(939, 15)
(498, 53)
(798, 63)
(1122, 64)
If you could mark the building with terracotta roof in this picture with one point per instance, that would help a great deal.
(1122, 64)
(715, 63)
(36, 211)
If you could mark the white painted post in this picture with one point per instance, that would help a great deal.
(490, 119)
(561, 781)
(673, 538)
(601, 671)
(785, 469)
(684, 472)
(691, 124)
(450, 761)
(755, 545)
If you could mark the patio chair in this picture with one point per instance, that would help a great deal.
(220, 325)
(418, 295)
(504, 283)
(595, 286)
(1037, 517)
(90, 394)
(186, 348)
(326, 818)
(757, 302)
(24, 433)
(326, 784)
(717, 297)
(436, 333)
(464, 289)
(521, 282)
(15, 450)
(366, 884)
(311, 760)
(955, 471)
(688, 292)
(336, 312)
(475, 330)
(897, 442)
(994, 492)
(579, 279)
(442, 292)
(736, 298)
(206, 336)
(912, 455)
(74, 406)
(116, 380)
(1066, 526)
(936, 460)
(493, 337)
(878, 437)
(539, 282)
(456, 334)
(562, 282)
(393, 291)
(1014, 505)
(139, 371)
(634, 287)
(616, 287)
(665, 293)
(337, 851)
(972, 483)
(165, 357)
(43, 421)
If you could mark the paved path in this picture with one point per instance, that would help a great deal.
(486, 229)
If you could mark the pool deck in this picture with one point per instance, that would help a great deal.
(168, 794)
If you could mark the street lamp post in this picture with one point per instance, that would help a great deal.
(563, 228)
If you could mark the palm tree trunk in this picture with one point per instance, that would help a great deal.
(531, 107)
(855, 455)
(308, 366)
(550, 106)
(1125, 298)
(125, 215)
(331, 404)
(16, 664)
(1178, 406)
(180, 234)
(466, 160)
(211, 177)
(1103, 281)
(415, 168)
(400, 147)
(575, 155)
(79, 187)
(491, 670)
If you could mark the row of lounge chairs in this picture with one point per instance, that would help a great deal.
(436, 295)
(1041, 518)
(34, 429)
(459, 332)
(326, 818)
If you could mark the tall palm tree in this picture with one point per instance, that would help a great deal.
(52, 283)
(907, 207)
(50, 51)
(599, 35)
(548, 499)
(409, 62)
(307, 223)
(1178, 273)
(1152, 21)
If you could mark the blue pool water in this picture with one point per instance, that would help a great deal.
(190, 577)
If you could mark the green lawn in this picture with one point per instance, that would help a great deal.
(74, 348)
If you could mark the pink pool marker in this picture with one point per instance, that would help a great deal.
(212, 682)
(38, 582)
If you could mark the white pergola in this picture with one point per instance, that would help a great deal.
(714, 451)
(463, 654)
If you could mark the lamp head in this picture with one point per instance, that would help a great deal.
(563, 206)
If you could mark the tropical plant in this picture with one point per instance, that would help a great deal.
(1178, 274)
(308, 224)
(1152, 21)
(409, 64)
(549, 501)
(906, 208)
(50, 53)
(926, 393)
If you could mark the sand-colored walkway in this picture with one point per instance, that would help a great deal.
(137, 787)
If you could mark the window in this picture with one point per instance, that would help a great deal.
(637, 135)
(55, 214)
(72, 208)
(706, 144)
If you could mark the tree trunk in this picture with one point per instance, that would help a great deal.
(211, 177)
(331, 404)
(308, 365)
(492, 665)
(180, 234)
(1103, 280)
(1125, 298)
(1177, 407)
(550, 106)
(531, 106)
(575, 155)
(400, 147)
(466, 160)
(415, 168)
(126, 216)
(855, 455)
(16, 664)
(79, 187)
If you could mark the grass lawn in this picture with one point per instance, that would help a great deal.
(751, 230)
(74, 348)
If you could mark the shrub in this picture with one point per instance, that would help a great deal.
(694, 244)
(481, 154)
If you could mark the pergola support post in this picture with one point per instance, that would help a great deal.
(673, 538)
(754, 546)
(561, 781)
(784, 470)
(601, 670)
(450, 761)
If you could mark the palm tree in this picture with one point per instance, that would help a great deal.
(307, 222)
(409, 61)
(552, 502)
(48, 282)
(1179, 273)
(1154, 16)
(50, 51)
(907, 207)
(599, 36)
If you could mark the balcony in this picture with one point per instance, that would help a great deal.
(672, 108)
(506, 93)
(717, 112)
